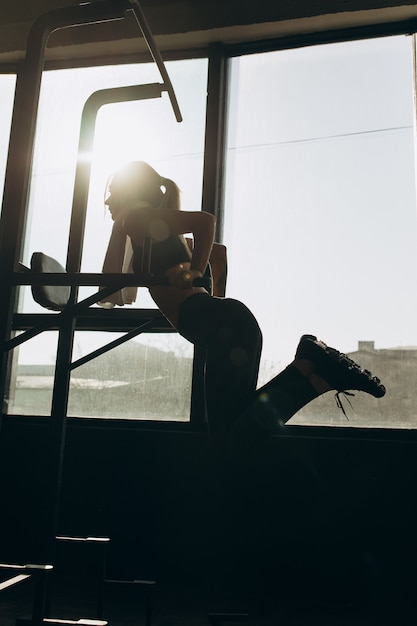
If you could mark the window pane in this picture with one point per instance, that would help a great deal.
(146, 378)
(144, 130)
(320, 212)
(7, 88)
(32, 376)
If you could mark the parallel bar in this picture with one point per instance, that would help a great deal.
(85, 146)
(112, 320)
(86, 280)
(96, 279)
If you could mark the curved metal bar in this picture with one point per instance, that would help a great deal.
(83, 170)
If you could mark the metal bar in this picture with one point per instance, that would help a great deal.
(27, 566)
(85, 146)
(95, 319)
(153, 49)
(112, 281)
(10, 344)
(117, 280)
(13, 581)
(215, 135)
(109, 346)
(212, 191)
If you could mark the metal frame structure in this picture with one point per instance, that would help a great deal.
(76, 315)
(16, 189)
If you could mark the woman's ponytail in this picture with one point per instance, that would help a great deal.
(138, 181)
(171, 197)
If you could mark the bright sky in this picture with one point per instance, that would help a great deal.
(320, 194)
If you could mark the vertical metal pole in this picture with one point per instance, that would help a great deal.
(212, 191)
(215, 134)
(18, 171)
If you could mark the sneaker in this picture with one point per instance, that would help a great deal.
(337, 368)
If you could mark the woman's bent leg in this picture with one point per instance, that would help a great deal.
(231, 336)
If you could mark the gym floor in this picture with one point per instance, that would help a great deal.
(125, 606)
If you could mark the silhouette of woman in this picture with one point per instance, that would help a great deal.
(144, 204)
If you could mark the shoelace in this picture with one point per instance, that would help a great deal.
(339, 403)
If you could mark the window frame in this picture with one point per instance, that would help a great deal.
(218, 56)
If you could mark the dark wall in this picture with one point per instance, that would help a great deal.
(316, 517)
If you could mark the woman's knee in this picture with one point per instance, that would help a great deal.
(241, 319)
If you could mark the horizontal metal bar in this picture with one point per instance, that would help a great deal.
(27, 566)
(115, 281)
(96, 319)
(84, 279)
(83, 621)
(13, 581)
(115, 581)
(83, 539)
(94, 280)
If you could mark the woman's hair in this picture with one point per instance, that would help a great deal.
(139, 181)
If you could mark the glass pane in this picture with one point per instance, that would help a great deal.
(320, 212)
(7, 89)
(144, 130)
(32, 376)
(146, 378)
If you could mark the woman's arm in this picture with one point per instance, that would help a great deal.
(218, 266)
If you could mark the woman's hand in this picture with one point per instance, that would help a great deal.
(183, 278)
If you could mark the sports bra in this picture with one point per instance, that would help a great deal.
(164, 255)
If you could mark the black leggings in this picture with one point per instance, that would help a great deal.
(232, 339)
(231, 336)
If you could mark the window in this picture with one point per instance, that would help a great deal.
(145, 130)
(320, 213)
